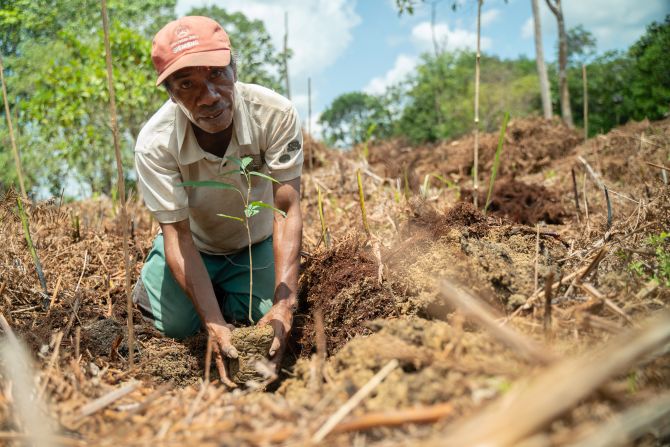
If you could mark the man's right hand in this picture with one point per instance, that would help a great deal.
(221, 336)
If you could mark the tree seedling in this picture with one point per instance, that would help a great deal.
(496, 161)
(251, 208)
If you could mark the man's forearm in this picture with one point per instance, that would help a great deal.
(189, 271)
(287, 240)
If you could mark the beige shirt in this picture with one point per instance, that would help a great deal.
(266, 127)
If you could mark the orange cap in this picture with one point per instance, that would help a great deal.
(191, 41)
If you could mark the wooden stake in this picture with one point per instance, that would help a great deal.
(548, 283)
(586, 103)
(33, 252)
(361, 199)
(475, 167)
(15, 149)
(120, 182)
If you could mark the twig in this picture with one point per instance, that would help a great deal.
(120, 182)
(665, 168)
(356, 399)
(547, 304)
(109, 398)
(83, 270)
(574, 189)
(482, 314)
(33, 252)
(591, 290)
(361, 199)
(54, 296)
(395, 418)
(52, 362)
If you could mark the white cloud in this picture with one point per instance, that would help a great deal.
(490, 16)
(404, 65)
(528, 28)
(319, 30)
(447, 39)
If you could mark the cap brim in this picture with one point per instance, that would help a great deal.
(212, 58)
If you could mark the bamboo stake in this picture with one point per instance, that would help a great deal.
(475, 167)
(33, 252)
(324, 230)
(586, 103)
(15, 149)
(361, 199)
(120, 182)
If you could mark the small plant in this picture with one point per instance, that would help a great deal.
(448, 183)
(496, 161)
(324, 229)
(659, 269)
(251, 208)
(368, 136)
(361, 200)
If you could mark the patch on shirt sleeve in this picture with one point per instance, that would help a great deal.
(286, 157)
(294, 146)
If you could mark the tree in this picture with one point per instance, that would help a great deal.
(258, 62)
(545, 92)
(581, 46)
(650, 77)
(350, 116)
(557, 9)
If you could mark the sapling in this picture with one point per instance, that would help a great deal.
(251, 208)
(361, 199)
(496, 161)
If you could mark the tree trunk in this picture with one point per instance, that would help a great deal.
(566, 113)
(541, 66)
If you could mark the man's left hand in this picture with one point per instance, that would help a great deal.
(280, 317)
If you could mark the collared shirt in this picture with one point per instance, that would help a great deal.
(266, 127)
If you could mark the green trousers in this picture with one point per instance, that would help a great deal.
(162, 300)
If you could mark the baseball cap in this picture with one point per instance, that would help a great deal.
(191, 41)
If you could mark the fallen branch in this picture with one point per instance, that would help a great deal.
(482, 314)
(353, 401)
(531, 405)
(395, 418)
(109, 398)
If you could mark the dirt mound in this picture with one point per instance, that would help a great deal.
(463, 216)
(343, 281)
(523, 203)
(530, 146)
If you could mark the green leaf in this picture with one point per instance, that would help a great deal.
(209, 184)
(231, 217)
(265, 205)
(265, 176)
(241, 162)
(252, 209)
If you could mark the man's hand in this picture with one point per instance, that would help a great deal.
(280, 317)
(220, 334)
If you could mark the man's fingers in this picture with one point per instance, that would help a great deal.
(223, 374)
(279, 337)
(230, 351)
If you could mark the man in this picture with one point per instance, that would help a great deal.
(197, 273)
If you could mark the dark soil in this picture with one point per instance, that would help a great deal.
(523, 203)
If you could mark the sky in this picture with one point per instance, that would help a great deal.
(364, 45)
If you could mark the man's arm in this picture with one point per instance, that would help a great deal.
(287, 240)
(189, 271)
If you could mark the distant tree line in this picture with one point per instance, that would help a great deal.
(54, 62)
(435, 102)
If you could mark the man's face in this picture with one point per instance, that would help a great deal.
(205, 94)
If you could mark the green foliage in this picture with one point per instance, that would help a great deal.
(57, 82)
(496, 160)
(258, 62)
(581, 46)
(625, 85)
(354, 118)
(439, 100)
(659, 267)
